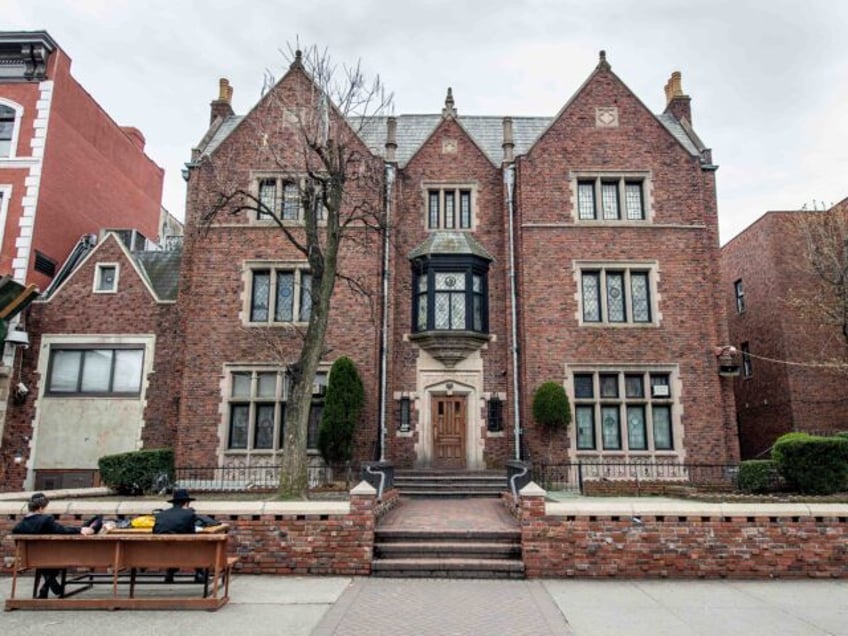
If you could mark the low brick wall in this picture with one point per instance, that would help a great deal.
(645, 539)
(320, 538)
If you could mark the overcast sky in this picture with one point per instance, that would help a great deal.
(767, 79)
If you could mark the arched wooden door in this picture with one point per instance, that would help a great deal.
(448, 419)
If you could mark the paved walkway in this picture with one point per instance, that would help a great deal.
(336, 606)
(448, 514)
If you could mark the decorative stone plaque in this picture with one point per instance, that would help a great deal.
(449, 147)
(606, 117)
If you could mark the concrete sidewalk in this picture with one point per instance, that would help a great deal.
(295, 606)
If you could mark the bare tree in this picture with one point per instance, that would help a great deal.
(341, 198)
(824, 235)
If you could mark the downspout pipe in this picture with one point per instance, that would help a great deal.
(384, 338)
(509, 181)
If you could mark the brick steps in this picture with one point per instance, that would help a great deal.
(484, 554)
(453, 484)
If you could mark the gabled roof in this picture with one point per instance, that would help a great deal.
(486, 131)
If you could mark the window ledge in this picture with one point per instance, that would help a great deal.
(449, 347)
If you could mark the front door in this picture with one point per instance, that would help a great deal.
(448, 417)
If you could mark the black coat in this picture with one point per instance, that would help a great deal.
(42, 524)
(175, 520)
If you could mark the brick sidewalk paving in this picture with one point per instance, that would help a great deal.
(437, 607)
(448, 514)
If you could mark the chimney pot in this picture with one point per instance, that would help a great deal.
(677, 103)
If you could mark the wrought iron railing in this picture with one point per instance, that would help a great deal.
(246, 478)
(572, 475)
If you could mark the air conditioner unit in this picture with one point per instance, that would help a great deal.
(659, 390)
(319, 389)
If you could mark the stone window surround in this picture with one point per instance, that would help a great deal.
(250, 266)
(625, 455)
(281, 397)
(578, 266)
(645, 176)
(281, 177)
(96, 289)
(443, 186)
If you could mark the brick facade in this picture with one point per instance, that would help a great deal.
(791, 386)
(522, 211)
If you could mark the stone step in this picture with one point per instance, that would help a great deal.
(453, 484)
(448, 536)
(446, 550)
(445, 493)
(448, 568)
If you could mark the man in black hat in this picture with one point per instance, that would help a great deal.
(38, 522)
(178, 519)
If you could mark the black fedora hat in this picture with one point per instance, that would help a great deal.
(180, 496)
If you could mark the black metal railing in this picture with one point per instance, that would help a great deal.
(572, 475)
(258, 478)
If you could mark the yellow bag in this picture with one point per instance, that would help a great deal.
(144, 521)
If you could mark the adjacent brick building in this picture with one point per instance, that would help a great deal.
(67, 171)
(580, 248)
(793, 356)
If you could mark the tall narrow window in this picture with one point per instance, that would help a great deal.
(7, 128)
(291, 201)
(747, 367)
(450, 211)
(267, 198)
(433, 213)
(740, 296)
(465, 209)
(586, 200)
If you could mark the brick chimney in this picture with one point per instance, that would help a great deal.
(221, 107)
(676, 102)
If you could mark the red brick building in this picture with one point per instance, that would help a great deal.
(792, 355)
(580, 248)
(67, 170)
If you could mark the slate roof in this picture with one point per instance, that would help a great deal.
(162, 270)
(450, 243)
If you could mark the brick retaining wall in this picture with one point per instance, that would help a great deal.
(645, 539)
(320, 538)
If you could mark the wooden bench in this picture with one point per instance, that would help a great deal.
(117, 559)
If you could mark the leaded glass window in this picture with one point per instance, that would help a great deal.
(611, 427)
(586, 199)
(450, 299)
(268, 197)
(633, 201)
(450, 210)
(433, 211)
(636, 436)
(592, 296)
(615, 297)
(641, 296)
(465, 209)
(291, 201)
(275, 298)
(585, 416)
(647, 418)
(609, 199)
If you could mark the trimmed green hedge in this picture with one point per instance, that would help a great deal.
(137, 472)
(757, 476)
(812, 465)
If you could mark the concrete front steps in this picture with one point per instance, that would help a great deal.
(449, 483)
(475, 554)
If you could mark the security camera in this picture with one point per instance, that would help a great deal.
(21, 388)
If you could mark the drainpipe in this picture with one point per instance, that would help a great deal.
(509, 180)
(384, 340)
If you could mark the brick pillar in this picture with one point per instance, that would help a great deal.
(363, 515)
(532, 520)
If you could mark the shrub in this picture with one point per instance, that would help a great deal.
(342, 408)
(137, 472)
(551, 408)
(812, 465)
(757, 476)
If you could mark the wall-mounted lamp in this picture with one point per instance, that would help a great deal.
(728, 365)
(19, 458)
